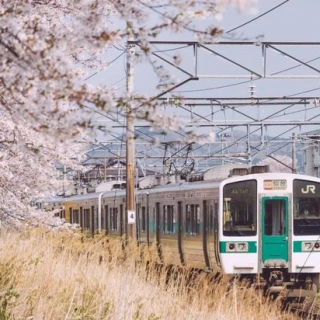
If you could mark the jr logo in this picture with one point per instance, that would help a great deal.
(309, 188)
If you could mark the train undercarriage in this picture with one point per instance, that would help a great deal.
(292, 292)
(292, 286)
(297, 292)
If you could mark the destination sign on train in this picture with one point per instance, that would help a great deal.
(278, 184)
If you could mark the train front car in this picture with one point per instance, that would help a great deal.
(305, 259)
(238, 225)
(270, 226)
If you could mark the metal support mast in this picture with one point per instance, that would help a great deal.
(294, 169)
(130, 201)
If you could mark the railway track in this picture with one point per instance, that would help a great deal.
(304, 307)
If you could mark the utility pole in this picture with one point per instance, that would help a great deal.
(130, 201)
(294, 169)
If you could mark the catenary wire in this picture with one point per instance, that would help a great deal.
(261, 15)
(92, 75)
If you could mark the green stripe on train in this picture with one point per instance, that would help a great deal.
(297, 246)
(252, 246)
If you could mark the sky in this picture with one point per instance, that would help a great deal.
(286, 21)
(293, 20)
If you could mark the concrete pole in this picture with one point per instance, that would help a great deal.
(294, 169)
(130, 198)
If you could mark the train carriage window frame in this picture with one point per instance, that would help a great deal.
(114, 219)
(86, 219)
(75, 216)
(240, 200)
(193, 212)
(306, 207)
(169, 219)
(213, 213)
(143, 219)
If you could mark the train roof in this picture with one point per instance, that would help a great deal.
(183, 186)
(237, 174)
(274, 175)
(283, 175)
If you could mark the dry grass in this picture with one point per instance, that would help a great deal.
(60, 276)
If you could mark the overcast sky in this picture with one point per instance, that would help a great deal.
(293, 20)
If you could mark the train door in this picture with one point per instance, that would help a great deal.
(205, 232)
(274, 228)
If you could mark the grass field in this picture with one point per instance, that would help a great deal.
(67, 276)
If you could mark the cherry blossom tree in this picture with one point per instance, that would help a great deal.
(278, 163)
(47, 49)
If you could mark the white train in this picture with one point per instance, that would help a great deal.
(265, 226)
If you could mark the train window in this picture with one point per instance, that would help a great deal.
(106, 225)
(75, 216)
(274, 217)
(86, 219)
(168, 219)
(193, 219)
(240, 208)
(306, 207)
(102, 219)
(113, 219)
(81, 218)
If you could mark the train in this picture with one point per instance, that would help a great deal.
(248, 223)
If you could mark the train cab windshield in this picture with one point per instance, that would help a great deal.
(306, 207)
(240, 208)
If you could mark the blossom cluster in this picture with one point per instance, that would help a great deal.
(47, 48)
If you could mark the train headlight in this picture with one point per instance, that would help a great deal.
(307, 246)
(231, 247)
(242, 247)
(311, 246)
(237, 247)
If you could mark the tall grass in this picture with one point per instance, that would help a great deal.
(67, 276)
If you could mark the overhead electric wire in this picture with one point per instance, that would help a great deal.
(123, 78)
(251, 80)
(215, 88)
(261, 15)
(301, 92)
(92, 75)
(120, 49)
(247, 81)
(173, 49)
(296, 66)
